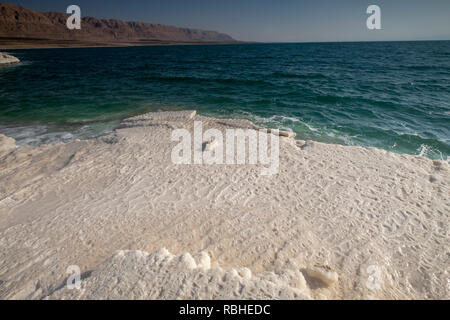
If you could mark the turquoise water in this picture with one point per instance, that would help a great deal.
(392, 95)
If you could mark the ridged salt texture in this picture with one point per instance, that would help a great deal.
(377, 219)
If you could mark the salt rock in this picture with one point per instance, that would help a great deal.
(287, 134)
(323, 274)
(188, 261)
(7, 59)
(245, 273)
(203, 260)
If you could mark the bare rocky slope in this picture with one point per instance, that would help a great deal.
(19, 22)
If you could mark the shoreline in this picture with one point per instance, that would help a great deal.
(332, 211)
(61, 44)
(108, 132)
(64, 44)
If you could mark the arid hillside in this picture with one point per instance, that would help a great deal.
(17, 22)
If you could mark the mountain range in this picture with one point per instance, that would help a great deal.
(17, 22)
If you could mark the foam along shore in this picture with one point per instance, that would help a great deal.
(7, 59)
(336, 222)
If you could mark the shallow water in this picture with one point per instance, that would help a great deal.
(391, 95)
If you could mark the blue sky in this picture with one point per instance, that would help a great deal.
(277, 20)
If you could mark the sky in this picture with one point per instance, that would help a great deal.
(276, 20)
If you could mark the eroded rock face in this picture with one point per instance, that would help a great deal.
(7, 59)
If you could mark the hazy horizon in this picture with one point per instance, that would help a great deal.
(287, 21)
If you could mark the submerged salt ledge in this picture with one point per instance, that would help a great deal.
(335, 222)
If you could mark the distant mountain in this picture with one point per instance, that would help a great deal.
(19, 22)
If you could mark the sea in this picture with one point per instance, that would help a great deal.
(389, 95)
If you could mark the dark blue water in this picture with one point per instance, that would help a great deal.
(393, 95)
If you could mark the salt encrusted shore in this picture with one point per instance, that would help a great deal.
(336, 222)
(7, 59)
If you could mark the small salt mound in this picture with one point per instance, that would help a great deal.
(7, 59)
(287, 134)
(322, 273)
(139, 275)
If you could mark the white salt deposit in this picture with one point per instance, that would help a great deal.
(379, 220)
